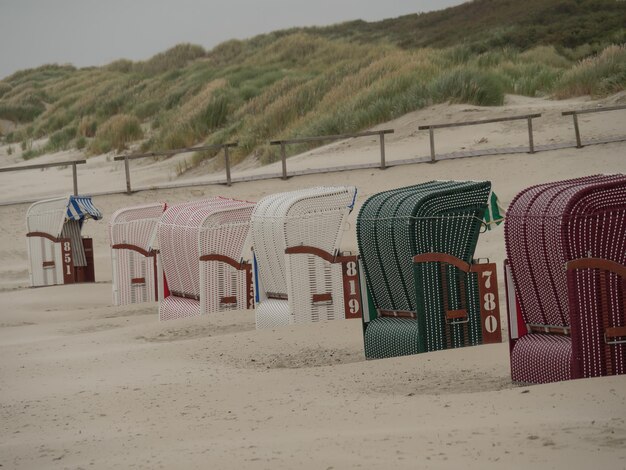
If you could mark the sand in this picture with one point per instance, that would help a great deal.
(84, 384)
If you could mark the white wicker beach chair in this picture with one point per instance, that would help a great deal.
(202, 246)
(136, 263)
(298, 273)
(57, 253)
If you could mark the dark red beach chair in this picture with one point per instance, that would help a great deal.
(566, 247)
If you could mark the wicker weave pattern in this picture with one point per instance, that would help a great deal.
(547, 226)
(129, 265)
(392, 227)
(47, 223)
(136, 225)
(136, 275)
(215, 226)
(539, 358)
(47, 216)
(42, 250)
(391, 337)
(312, 217)
(309, 275)
(534, 241)
(173, 307)
(272, 313)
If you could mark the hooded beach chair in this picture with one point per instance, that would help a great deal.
(202, 247)
(566, 283)
(424, 292)
(299, 274)
(57, 253)
(136, 263)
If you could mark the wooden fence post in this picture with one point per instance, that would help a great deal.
(531, 144)
(227, 164)
(127, 169)
(381, 136)
(283, 156)
(75, 179)
(431, 132)
(577, 131)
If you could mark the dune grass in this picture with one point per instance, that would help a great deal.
(317, 81)
(115, 133)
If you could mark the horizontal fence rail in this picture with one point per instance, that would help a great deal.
(325, 138)
(50, 165)
(169, 153)
(308, 171)
(575, 114)
(431, 129)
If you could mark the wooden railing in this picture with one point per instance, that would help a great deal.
(325, 138)
(50, 165)
(431, 129)
(169, 153)
(575, 114)
(380, 133)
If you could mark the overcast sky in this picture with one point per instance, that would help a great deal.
(96, 32)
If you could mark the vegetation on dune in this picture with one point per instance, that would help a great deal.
(316, 81)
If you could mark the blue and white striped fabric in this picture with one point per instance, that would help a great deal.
(81, 207)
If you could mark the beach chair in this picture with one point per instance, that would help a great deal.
(424, 292)
(299, 274)
(137, 273)
(566, 248)
(57, 253)
(203, 245)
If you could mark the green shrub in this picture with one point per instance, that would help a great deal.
(20, 113)
(4, 88)
(121, 65)
(60, 139)
(147, 109)
(598, 75)
(174, 58)
(468, 85)
(87, 127)
(32, 153)
(115, 133)
(81, 143)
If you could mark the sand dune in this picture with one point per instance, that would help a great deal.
(84, 384)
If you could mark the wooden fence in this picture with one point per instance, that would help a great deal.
(169, 153)
(50, 165)
(431, 129)
(575, 114)
(284, 174)
(326, 138)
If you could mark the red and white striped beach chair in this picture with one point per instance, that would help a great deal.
(566, 247)
(136, 263)
(299, 275)
(57, 253)
(202, 247)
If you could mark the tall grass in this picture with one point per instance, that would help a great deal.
(4, 88)
(468, 85)
(115, 133)
(287, 84)
(601, 74)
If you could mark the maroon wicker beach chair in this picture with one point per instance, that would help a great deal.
(566, 247)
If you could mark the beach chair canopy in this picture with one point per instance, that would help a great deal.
(547, 227)
(394, 226)
(189, 231)
(312, 218)
(57, 252)
(136, 226)
(48, 216)
(137, 275)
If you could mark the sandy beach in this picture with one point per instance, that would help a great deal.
(84, 384)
